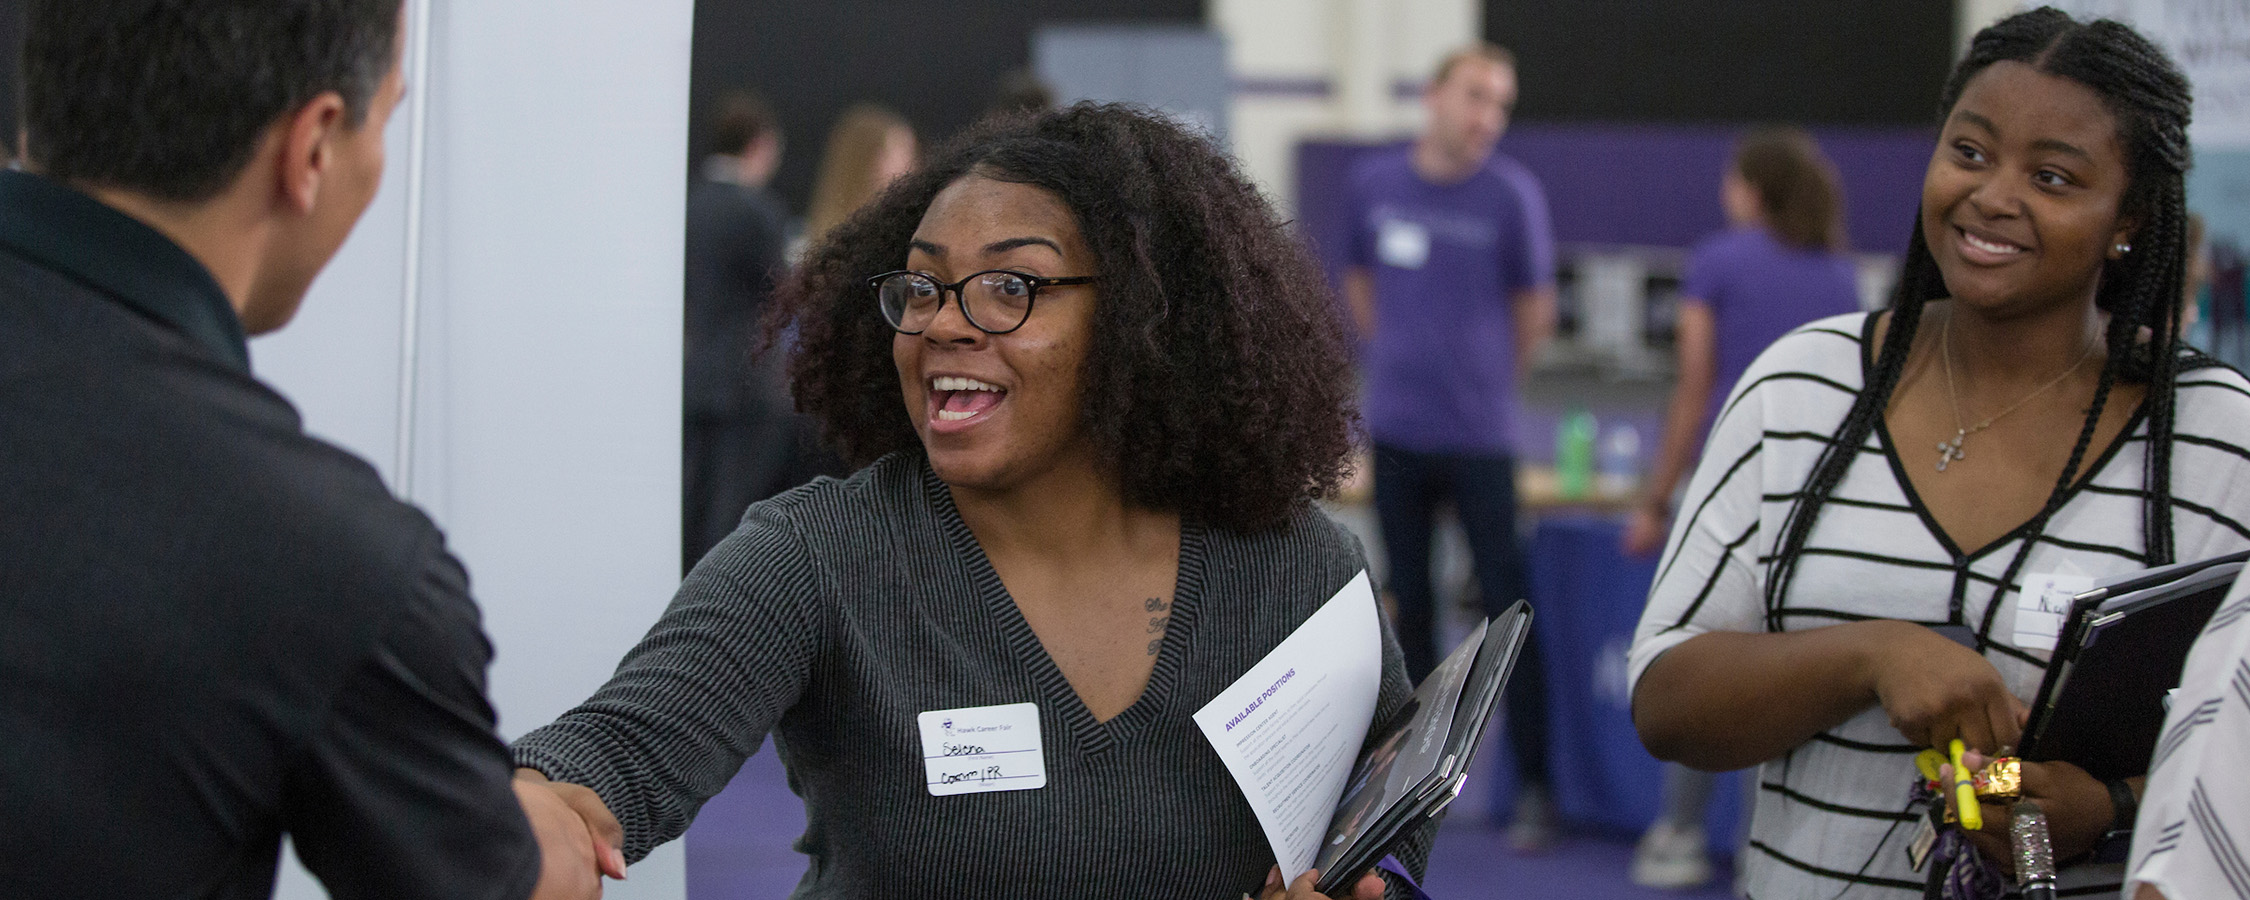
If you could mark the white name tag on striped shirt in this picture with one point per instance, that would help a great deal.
(2042, 606)
(976, 749)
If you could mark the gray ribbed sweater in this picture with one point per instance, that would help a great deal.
(842, 609)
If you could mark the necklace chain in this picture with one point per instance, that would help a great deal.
(1950, 451)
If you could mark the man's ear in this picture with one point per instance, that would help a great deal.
(306, 150)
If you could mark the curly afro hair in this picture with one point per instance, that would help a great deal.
(1218, 383)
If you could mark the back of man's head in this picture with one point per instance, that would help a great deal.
(169, 98)
(740, 118)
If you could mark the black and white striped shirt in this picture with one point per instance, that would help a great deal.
(1833, 812)
(2194, 826)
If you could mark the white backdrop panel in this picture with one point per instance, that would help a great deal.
(547, 412)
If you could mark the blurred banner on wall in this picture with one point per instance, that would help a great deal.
(1179, 69)
(2210, 39)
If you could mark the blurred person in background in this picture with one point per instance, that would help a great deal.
(742, 441)
(1851, 584)
(1021, 91)
(1452, 287)
(1778, 265)
(869, 147)
(1095, 384)
(221, 631)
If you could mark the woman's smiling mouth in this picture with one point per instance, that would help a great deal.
(1987, 250)
(959, 399)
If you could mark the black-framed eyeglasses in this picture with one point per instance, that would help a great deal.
(995, 301)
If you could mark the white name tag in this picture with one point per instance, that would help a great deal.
(2042, 606)
(1403, 244)
(982, 748)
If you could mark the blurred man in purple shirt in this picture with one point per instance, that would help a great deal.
(1451, 285)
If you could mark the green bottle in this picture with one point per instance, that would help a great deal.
(1574, 454)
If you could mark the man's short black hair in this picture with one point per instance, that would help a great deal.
(740, 117)
(168, 98)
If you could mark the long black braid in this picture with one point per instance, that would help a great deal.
(2150, 100)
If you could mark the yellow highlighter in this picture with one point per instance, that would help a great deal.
(1965, 790)
(1928, 762)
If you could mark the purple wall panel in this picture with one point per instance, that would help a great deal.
(1650, 184)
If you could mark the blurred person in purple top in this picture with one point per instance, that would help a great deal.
(1777, 266)
(1451, 287)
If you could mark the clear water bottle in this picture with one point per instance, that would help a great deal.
(1620, 464)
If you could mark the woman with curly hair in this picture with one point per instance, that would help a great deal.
(1095, 385)
(1889, 502)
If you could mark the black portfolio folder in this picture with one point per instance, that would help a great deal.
(2120, 653)
(1421, 759)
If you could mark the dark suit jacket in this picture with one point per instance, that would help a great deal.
(735, 242)
(214, 629)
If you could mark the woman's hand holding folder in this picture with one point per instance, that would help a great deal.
(1369, 887)
(2076, 804)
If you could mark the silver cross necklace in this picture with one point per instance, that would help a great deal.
(1950, 451)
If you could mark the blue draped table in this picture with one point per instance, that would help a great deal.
(1587, 596)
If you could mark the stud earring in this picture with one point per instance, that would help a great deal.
(2123, 249)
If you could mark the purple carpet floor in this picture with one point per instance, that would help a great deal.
(739, 850)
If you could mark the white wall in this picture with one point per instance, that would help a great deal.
(1970, 16)
(546, 415)
(1309, 68)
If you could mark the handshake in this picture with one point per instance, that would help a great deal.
(579, 840)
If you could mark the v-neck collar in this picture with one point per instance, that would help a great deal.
(1914, 497)
(1092, 736)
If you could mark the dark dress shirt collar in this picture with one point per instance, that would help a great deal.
(59, 228)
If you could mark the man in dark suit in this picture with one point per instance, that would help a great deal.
(742, 440)
(218, 630)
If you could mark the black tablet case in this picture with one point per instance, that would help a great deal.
(1504, 638)
(2101, 704)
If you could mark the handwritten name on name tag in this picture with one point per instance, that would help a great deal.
(976, 749)
(2042, 606)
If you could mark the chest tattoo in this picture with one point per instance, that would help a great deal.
(1159, 615)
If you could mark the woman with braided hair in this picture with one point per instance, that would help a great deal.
(1886, 498)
